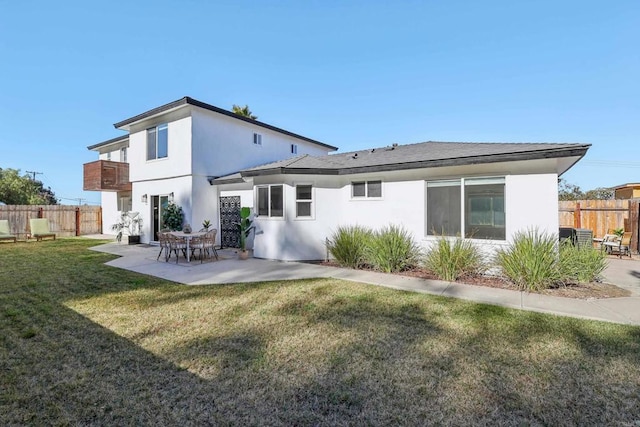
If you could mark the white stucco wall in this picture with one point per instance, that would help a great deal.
(110, 213)
(530, 202)
(224, 145)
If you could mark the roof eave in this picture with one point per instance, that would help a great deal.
(116, 140)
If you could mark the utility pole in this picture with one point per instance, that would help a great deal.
(34, 174)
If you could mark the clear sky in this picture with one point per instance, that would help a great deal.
(354, 74)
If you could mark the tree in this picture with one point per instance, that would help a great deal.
(243, 111)
(568, 191)
(22, 190)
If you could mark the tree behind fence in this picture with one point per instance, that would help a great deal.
(64, 220)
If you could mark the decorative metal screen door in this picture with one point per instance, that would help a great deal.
(229, 216)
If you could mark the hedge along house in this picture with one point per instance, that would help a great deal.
(482, 191)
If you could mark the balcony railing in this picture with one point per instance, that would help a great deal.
(105, 175)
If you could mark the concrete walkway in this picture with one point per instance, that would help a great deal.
(624, 273)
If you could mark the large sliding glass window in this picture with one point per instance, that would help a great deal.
(474, 208)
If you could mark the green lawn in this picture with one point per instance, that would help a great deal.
(83, 343)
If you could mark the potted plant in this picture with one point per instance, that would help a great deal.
(245, 225)
(129, 223)
(206, 224)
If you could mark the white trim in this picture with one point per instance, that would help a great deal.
(311, 201)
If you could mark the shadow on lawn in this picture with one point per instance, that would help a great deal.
(389, 357)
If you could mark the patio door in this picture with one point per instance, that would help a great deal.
(158, 205)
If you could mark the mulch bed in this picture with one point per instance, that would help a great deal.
(595, 290)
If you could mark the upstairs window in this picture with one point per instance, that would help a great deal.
(304, 200)
(109, 155)
(157, 142)
(366, 189)
(294, 149)
(123, 154)
(257, 139)
(271, 201)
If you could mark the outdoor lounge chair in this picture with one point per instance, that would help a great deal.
(5, 232)
(40, 229)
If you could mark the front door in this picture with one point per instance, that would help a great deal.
(158, 205)
(229, 218)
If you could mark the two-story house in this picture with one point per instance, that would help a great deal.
(174, 152)
(211, 161)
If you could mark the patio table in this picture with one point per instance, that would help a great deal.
(187, 237)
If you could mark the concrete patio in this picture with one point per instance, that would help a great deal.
(624, 273)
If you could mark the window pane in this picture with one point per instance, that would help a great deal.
(484, 209)
(374, 189)
(277, 205)
(162, 141)
(263, 201)
(303, 209)
(443, 210)
(357, 189)
(303, 192)
(151, 144)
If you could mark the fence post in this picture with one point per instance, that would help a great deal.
(40, 212)
(77, 221)
(634, 224)
(577, 223)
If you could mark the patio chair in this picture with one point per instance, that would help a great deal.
(625, 245)
(177, 245)
(5, 231)
(163, 239)
(198, 244)
(210, 242)
(40, 229)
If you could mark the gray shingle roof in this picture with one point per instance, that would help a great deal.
(413, 156)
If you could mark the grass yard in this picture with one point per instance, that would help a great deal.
(82, 343)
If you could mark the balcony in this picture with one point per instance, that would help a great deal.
(105, 175)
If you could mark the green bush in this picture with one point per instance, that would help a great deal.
(450, 260)
(392, 249)
(172, 217)
(531, 261)
(347, 245)
(581, 264)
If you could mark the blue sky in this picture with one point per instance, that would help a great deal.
(351, 74)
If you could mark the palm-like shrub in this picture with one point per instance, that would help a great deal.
(347, 245)
(392, 249)
(581, 264)
(452, 259)
(531, 261)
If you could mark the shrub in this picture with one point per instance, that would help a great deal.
(581, 264)
(450, 260)
(531, 261)
(392, 249)
(347, 245)
(172, 217)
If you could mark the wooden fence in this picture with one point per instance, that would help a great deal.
(64, 220)
(601, 216)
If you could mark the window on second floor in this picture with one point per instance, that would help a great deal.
(257, 139)
(294, 148)
(157, 142)
(123, 154)
(109, 155)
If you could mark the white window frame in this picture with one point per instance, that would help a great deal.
(257, 202)
(123, 154)
(294, 148)
(157, 128)
(464, 183)
(312, 204)
(257, 138)
(366, 190)
(109, 155)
